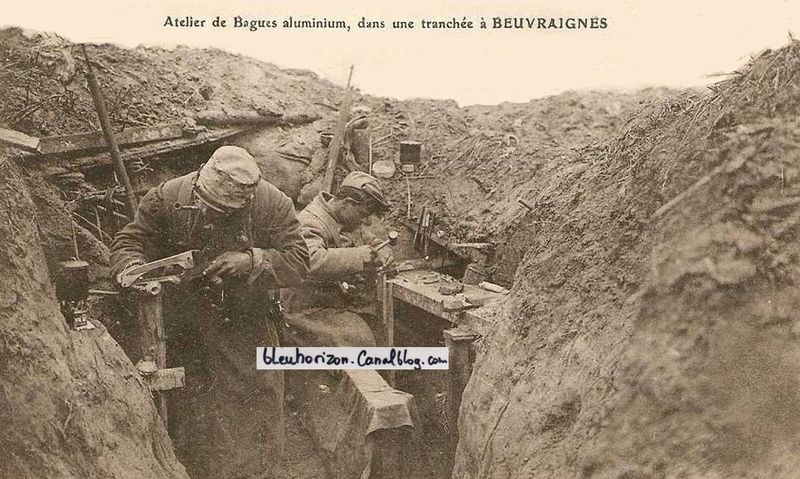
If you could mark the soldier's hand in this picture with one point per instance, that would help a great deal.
(132, 264)
(384, 256)
(365, 254)
(230, 264)
(375, 258)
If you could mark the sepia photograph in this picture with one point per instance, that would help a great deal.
(402, 240)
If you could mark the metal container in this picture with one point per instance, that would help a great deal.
(410, 152)
(73, 281)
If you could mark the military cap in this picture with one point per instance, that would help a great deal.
(228, 179)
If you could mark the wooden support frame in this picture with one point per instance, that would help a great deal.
(420, 289)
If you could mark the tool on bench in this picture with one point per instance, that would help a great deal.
(398, 268)
(153, 366)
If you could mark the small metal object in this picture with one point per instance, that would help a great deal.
(494, 288)
(179, 207)
(102, 292)
(393, 235)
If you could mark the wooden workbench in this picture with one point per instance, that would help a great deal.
(420, 288)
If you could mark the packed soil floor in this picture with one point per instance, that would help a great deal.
(653, 265)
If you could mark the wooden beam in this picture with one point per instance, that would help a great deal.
(236, 117)
(249, 117)
(94, 140)
(51, 167)
(18, 139)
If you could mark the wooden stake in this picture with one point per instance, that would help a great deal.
(108, 133)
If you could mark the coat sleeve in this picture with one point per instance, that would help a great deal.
(140, 240)
(332, 263)
(280, 256)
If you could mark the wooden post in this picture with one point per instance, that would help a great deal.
(387, 447)
(154, 341)
(108, 134)
(388, 320)
(338, 136)
(460, 358)
(388, 312)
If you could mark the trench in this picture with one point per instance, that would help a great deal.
(104, 214)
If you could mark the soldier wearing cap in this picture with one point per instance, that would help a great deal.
(249, 232)
(323, 313)
(339, 247)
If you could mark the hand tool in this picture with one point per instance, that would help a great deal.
(393, 235)
(183, 260)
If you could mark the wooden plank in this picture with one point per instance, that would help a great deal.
(236, 117)
(460, 361)
(94, 140)
(18, 139)
(409, 293)
(166, 379)
(50, 167)
(248, 117)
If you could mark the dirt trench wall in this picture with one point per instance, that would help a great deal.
(709, 385)
(70, 402)
(546, 371)
(639, 344)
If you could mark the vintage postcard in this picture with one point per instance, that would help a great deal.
(423, 239)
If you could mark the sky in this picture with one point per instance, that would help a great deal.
(646, 43)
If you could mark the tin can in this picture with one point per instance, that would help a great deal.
(410, 152)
